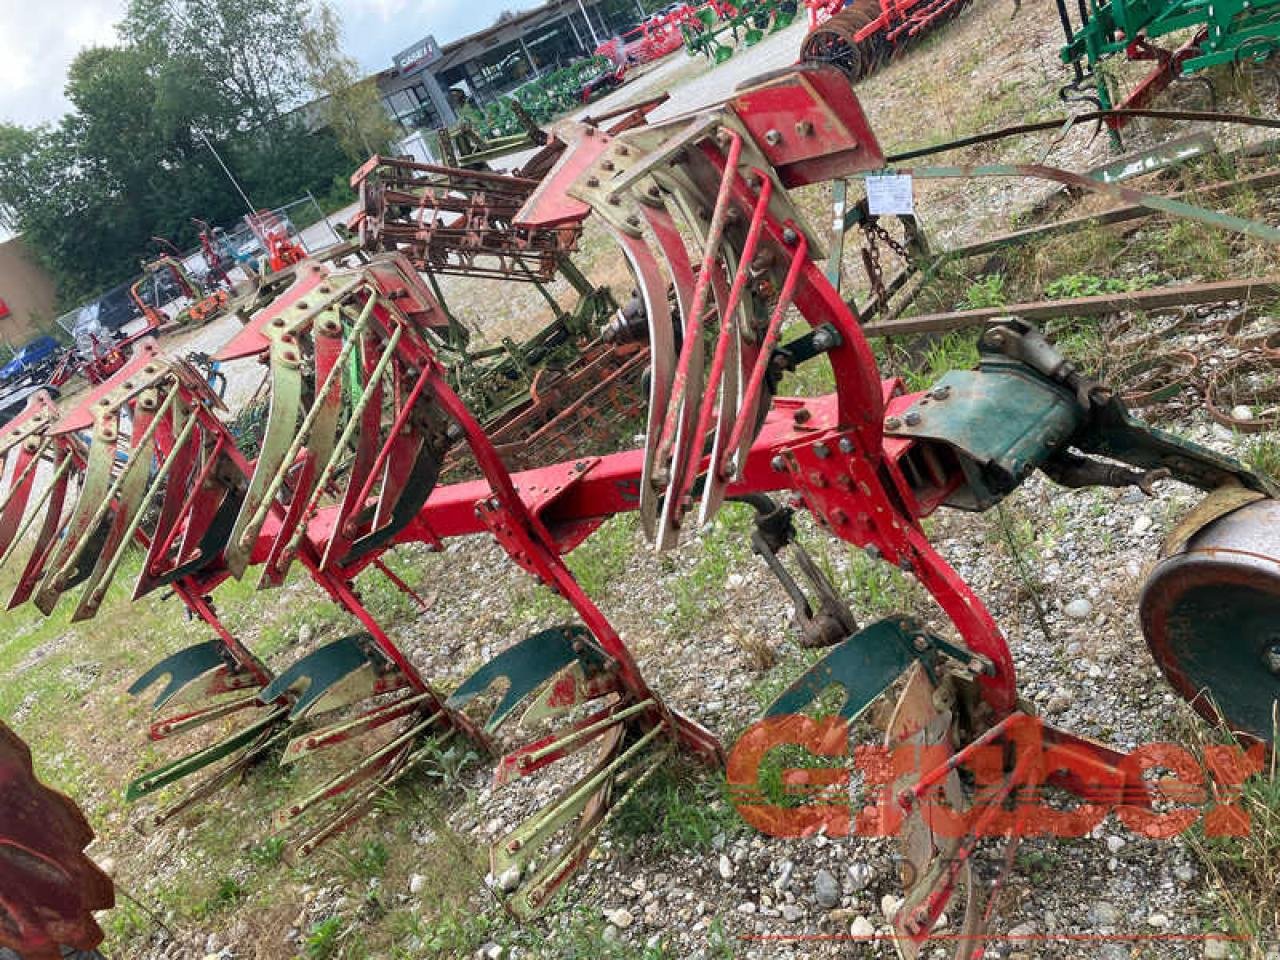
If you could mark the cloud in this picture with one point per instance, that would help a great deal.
(38, 41)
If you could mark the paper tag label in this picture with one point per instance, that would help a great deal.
(890, 194)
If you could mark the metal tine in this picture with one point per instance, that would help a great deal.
(283, 438)
(360, 804)
(321, 428)
(748, 415)
(109, 500)
(14, 500)
(653, 290)
(546, 751)
(220, 778)
(725, 388)
(63, 462)
(555, 872)
(363, 464)
(725, 362)
(688, 375)
(676, 257)
(46, 540)
(185, 766)
(29, 434)
(389, 752)
(346, 729)
(134, 506)
(410, 462)
(368, 393)
(587, 797)
(193, 503)
(95, 482)
(181, 723)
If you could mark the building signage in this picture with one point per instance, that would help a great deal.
(423, 53)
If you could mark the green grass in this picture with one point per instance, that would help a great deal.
(679, 808)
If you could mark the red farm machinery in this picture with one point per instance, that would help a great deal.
(376, 437)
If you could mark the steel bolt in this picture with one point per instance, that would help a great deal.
(893, 423)
(821, 451)
(873, 551)
(772, 137)
(623, 151)
(941, 393)
(654, 192)
(913, 419)
(803, 415)
(804, 128)
(606, 165)
(1273, 658)
(778, 464)
(633, 220)
(593, 181)
(789, 236)
(920, 643)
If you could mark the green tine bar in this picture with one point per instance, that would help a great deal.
(541, 826)
(340, 732)
(216, 781)
(163, 776)
(35, 511)
(349, 778)
(198, 718)
(353, 424)
(95, 596)
(259, 516)
(554, 873)
(588, 732)
(361, 803)
(130, 466)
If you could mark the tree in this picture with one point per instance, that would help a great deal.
(131, 161)
(243, 50)
(350, 105)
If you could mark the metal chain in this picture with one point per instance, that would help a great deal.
(871, 260)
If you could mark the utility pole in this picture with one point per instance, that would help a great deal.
(590, 25)
(243, 196)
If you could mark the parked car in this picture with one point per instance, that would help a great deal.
(115, 308)
(32, 359)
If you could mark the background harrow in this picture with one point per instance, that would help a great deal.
(860, 36)
(364, 415)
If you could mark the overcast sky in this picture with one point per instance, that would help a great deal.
(39, 40)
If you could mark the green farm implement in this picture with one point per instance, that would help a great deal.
(1208, 33)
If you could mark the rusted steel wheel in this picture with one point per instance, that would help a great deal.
(1211, 613)
(835, 41)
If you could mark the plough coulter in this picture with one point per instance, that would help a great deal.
(730, 295)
